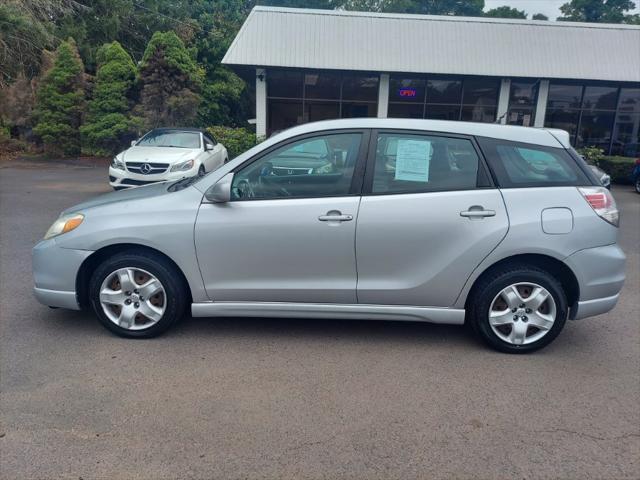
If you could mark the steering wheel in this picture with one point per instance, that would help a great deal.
(244, 189)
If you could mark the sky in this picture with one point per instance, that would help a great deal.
(551, 8)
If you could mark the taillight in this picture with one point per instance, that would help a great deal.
(602, 203)
(637, 161)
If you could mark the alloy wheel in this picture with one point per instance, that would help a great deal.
(132, 298)
(522, 313)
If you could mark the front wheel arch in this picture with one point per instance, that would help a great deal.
(96, 258)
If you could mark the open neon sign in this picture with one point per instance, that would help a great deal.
(407, 92)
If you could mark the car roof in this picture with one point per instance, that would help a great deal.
(539, 136)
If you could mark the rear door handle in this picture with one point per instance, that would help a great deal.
(335, 216)
(477, 211)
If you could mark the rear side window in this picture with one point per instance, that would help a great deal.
(525, 165)
(407, 163)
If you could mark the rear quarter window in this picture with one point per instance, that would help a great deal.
(524, 165)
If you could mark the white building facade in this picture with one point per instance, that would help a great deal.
(311, 65)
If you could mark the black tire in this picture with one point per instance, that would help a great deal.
(201, 171)
(175, 291)
(490, 286)
(225, 160)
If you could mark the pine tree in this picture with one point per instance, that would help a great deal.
(59, 102)
(108, 124)
(171, 83)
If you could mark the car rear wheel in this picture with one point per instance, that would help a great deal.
(137, 294)
(519, 309)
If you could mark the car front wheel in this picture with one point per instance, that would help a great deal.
(137, 294)
(519, 309)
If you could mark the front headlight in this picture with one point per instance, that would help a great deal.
(182, 167)
(64, 224)
(117, 163)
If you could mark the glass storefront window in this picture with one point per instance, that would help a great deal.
(295, 97)
(629, 100)
(563, 119)
(406, 90)
(317, 110)
(284, 114)
(564, 96)
(322, 85)
(524, 93)
(480, 91)
(284, 84)
(600, 98)
(444, 91)
(405, 110)
(360, 88)
(626, 135)
(359, 109)
(443, 112)
(595, 130)
(478, 113)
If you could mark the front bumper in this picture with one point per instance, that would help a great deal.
(119, 179)
(55, 270)
(600, 275)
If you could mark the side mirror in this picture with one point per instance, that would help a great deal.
(220, 192)
(208, 147)
(133, 143)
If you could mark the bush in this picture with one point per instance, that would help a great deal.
(619, 168)
(592, 155)
(60, 101)
(237, 140)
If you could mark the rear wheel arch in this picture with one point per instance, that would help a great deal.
(553, 266)
(96, 258)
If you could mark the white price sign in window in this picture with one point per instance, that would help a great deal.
(412, 160)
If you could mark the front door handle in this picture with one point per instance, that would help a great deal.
(335, 216)
(477, 211)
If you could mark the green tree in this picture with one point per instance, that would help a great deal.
(506, 12)
(60, 100)
(604, 11)
(539, 16)
(25, 30)
(171, 83)
(108, 123)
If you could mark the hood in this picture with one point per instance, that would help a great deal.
(158, 154)
(147, 191)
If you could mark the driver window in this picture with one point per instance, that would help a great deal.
(314, 167)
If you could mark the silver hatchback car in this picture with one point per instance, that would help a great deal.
(503, 228)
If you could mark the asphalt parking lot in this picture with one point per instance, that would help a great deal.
(256, 398)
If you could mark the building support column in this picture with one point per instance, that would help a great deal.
(261, 102)
(541, 104)
(383, 95)
(503, 101)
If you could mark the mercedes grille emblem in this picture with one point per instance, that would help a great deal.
(145, 168)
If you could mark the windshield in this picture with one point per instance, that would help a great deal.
(170, 138)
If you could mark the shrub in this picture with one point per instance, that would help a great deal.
(592, 155)
(108, 125)
(171, 83)
(619, 168)
(237, 140)
(59, 102)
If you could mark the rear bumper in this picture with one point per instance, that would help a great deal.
(600, 275)
(591, 308)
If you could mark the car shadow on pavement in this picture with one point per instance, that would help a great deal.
(84, 323)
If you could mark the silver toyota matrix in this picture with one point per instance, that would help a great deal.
(503, 228)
